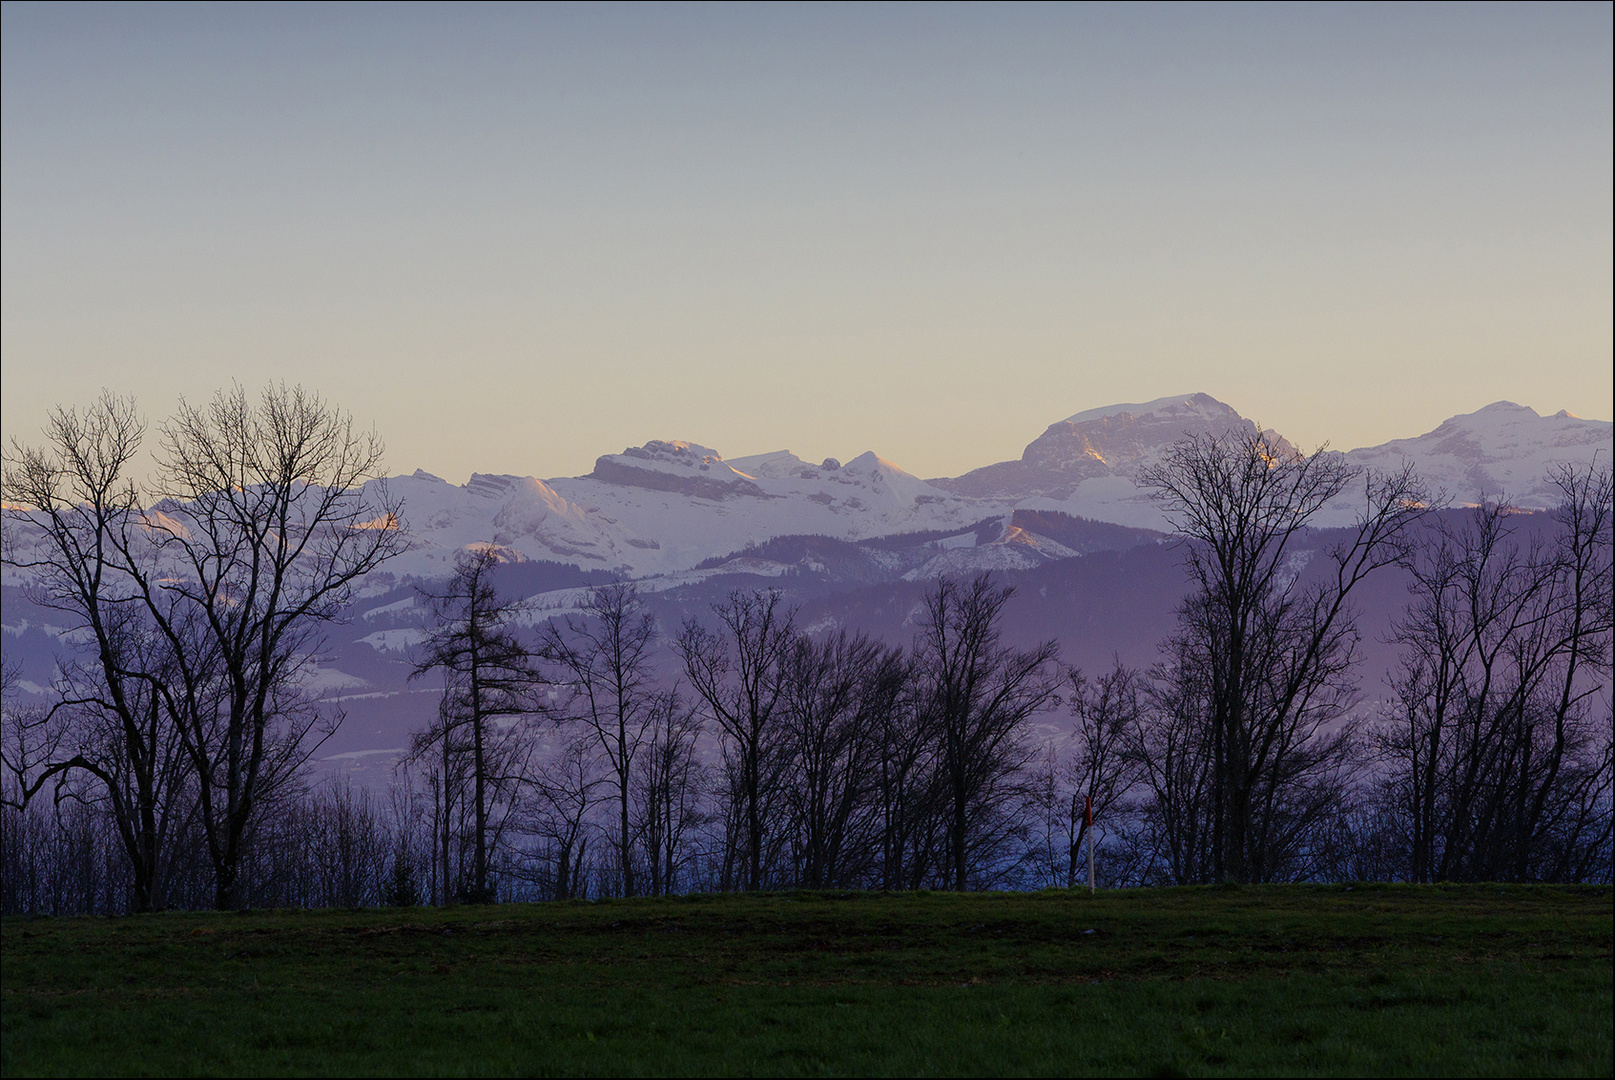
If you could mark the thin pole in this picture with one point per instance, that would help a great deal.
(1088, 809)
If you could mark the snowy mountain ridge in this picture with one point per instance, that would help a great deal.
(1503, 452)
(664, 507)
(855, 542)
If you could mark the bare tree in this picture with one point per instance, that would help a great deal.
(1172, 750)
(1099, 771)
(1276, 654)
(408, 875)
(908, 788)
(72, 516)
(605, 660)
(742, 690)
(142, 774)
(670, 787)
(832, 702)
(563, 794)
(442, 753)
(346, 846)
(981, 695)
(489, 683)
(266, 525)
(1499, 752)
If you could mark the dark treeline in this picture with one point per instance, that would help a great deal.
(599, 754)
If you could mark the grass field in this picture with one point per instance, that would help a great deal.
(1488, 980)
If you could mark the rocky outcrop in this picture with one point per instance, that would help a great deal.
(612, 470)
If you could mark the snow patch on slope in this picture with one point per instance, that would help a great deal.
(1502, 452)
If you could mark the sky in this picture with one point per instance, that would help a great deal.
(514, 238)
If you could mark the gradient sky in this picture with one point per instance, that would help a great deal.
(516, 238)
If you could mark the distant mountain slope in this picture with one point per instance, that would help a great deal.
(668, 507)
(1087, 464)
(1116, 441)
(1504, 451)
(1116, 598)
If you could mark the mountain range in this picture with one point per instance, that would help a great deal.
(667, 507)
(854, 544)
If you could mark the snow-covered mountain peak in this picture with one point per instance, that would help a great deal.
(1077, 457)
(668, 506)
(776, 465)
(872, 464)
(1503, 425)
(520, 513)
(1502, 451)
(684, 468)
(673, 455)
(1502, 407)
(1203, 406)
(1125, 439)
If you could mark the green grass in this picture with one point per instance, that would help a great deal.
(1487, 980)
